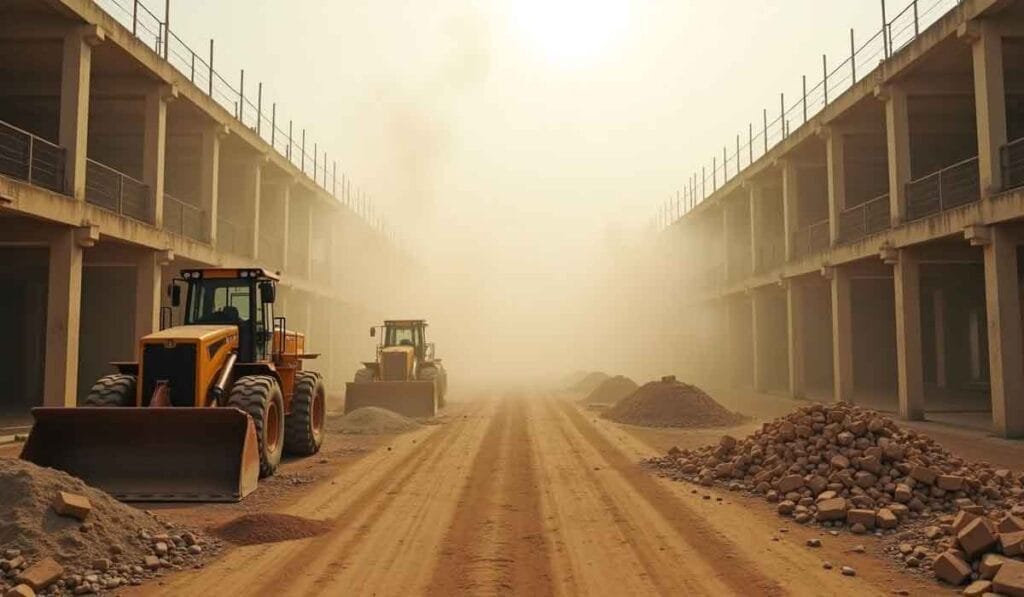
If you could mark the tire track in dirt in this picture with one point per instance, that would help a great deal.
(496, 541)
(719, 554)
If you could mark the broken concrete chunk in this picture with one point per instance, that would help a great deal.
(951, 568)
(989, 565)
(833, 509)
(977, 537)
(978, 588)
(1012, 544)
(1010, 579)
(885, 519)
(950, 482)
(861, 516)
(41, 574)
(72, 504)
(923, 474)
(20, 591)
(790, 483)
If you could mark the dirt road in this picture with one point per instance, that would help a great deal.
(530, 495)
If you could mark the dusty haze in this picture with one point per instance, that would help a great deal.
(521, 147)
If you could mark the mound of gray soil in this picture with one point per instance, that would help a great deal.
(671, 403)
(371, 420)
(611, 390)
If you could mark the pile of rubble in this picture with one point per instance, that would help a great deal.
(611, 390)
(589, 382)
(671, 403)
(371, 420)
(58, 536)
(844, 466)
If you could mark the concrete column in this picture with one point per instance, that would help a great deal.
(63, 313)
(209, 177)
(1005, 354)
(73, 135)
(148, 291)
(897, 131)
(755, 226)
(254, 177)
(835, 152)
(758, 340)
(795, 335)
(154, 146)
(939, 313)
(910, 371)
(726, 265)
(790, 207)
(990, 104)
(842, 335)
(309, 239)
(286, 202)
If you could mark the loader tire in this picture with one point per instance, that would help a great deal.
(364, 375)
(259, 396)
(304, 428)
(117, 389)
(439, 377)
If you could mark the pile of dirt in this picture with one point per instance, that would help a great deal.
(670, 403)
(269, 527)
(847, 467)
(371, 420)
(611, 390)
(589, 382)
(106, 546)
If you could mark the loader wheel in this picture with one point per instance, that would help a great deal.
(117, 389)
(438, 376)
(304, 428)
(364, 375)
(259, 396)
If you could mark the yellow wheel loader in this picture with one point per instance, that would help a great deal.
(406, 377)
(208, 409)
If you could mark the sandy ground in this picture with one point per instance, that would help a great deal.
(526, 494)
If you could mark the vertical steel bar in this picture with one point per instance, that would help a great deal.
(302, 152)
(192, 70)
(334, 179)
(167, 27)
(824, 76)
(289, 140)
(737, 154)
(853, 59)
(259, 108)
(764, 131)
(725, 164)
(917, 24)
(241, 98)
(750, 143)
(31, 156)
(316, 157)
(804, 99)
(782, 114)
(135, 18)
(703, 183)
(885, 29)
(273, 123)
(210, 73)
(714, 173)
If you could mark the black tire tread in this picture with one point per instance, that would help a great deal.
(299, 439)
(250, 394)
(116, 389)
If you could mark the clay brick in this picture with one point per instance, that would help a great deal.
(885, 519)
(41, 574)
(950, 482)
(903, 493)
(962, 519)
(1009, 580)
(1010, 524)
(989, 565)
(861, 516)
(72, 504)
(978, 588)
(976, 538)
(833, 509)
(949, 567)
(790, 483)
(1012, 544)
(20, 591)
(923, 474)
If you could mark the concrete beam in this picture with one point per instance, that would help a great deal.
(1005, 352)
(909, 362)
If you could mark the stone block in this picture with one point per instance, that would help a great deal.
(1009, 580)
(861, 516)
(72, 504)
(976, 538)
(951, 568)
(41, 574)
(833, 509)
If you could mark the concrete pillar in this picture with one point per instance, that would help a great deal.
(842, 335)
(726, 265)
(148, 291)
(755, 226)
(897, 131)
(835, 152)
(286, 202)
(910, 370)
(209, 177)
(796, 334)
(154, 146)
(73, 135)
(63, 312)
(790, 207)
(990, 104)
(758, 340)
(1005, 354)
(309, 239)
(939, 313)
(254, 177)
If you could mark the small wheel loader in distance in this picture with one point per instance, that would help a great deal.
(406, 377)
(208, 409)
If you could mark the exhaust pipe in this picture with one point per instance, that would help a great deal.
(219, 388)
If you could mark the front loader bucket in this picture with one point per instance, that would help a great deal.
(150, 454)
(409, 398)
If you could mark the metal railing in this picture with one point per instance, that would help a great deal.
(184, 218)
(950, 187)
(811, 239)
(867, 218)
(1012, 155)
(774, 125)
(30, 158)
(117, 192)
(250, 109)
(232, 237)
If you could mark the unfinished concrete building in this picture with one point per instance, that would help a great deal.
(873, 255)
(116, 171)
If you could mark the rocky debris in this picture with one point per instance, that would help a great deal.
(269, 527)
(590, 381)
(844, 466)
(1009, 580)
(48, 553)
(848, 571)
(371, 420)
(611, 390)
(670, 403)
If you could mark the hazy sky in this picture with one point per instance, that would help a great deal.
(508, 137)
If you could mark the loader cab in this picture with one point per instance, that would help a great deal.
(406, 333)
(240, 297)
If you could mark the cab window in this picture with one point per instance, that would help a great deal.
(219, 301)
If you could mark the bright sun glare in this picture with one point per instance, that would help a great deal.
(570, 32)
